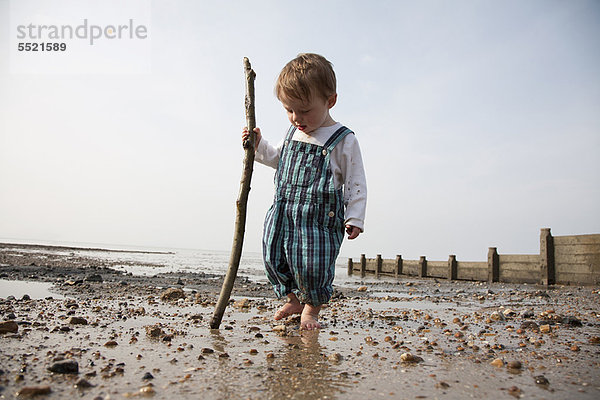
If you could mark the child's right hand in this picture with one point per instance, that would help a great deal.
(246, 136)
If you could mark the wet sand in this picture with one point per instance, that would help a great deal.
(115, 335)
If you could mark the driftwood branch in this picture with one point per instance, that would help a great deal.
(241, 203)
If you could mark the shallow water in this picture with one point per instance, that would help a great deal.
(35, 290)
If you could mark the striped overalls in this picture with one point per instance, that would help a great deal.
(304, 227)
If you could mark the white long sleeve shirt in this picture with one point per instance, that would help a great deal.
(345, 162)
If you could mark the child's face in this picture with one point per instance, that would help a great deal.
(308, 116)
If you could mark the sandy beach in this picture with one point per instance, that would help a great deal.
(100, 333)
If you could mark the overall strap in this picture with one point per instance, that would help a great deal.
(290, 133)
(336, 138)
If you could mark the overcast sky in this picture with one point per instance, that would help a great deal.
(479, 122)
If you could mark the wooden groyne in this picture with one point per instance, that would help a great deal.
(569, 260)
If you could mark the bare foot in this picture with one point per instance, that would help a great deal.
(309, 318)
(293, 306)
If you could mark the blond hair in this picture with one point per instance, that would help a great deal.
(305, 76)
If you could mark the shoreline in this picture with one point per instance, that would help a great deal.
(76, 248)
(139, 336)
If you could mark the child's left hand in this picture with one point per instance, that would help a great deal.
(352, 231)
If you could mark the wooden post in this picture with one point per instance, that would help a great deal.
(378, 265)
(242, 201)
(363, 265)
(493, 265)
(423, 267)
(398, 266)
(350, 267)
(452, 267)
(548, 268)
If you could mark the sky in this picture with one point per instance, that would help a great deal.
(478, 121)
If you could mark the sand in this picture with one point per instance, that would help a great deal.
(107, 335)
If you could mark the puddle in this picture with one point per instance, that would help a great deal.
(35, 290)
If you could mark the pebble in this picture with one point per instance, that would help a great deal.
(32, 391)
(154, 331)
(77, 321)
(65, 367)
(410, 358)
(530, 325)
(514, 365)
(83, 384)
(362, 289)
(243, 303)
(8, 327)
(172, 294)
(111, 343)
(497, 362)
(147, 391)
(541, 380)
(335, 357)
(94, 278)
(496, 316)
(545, 328)
(147, 376)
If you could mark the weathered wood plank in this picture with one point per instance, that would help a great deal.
(577, 239)
(578, 259)
(516, 266)
(577, 279)
(575, 268)
(577, 249)
(524, 258)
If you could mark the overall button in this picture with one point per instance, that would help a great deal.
(331, 214)
(324, 152)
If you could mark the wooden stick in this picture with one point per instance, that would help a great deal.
(242, 201)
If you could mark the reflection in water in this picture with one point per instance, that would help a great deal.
(301, 371)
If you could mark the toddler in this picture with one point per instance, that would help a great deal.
(320, 190)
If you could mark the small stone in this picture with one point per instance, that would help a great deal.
(172, 294)
(571, 321)
(207, 350)
(530, 325)
(335, 357)
(514, 391)
(9, 327)
(94, 278)
(541, 380)
(111, 343)
(243, 303)
(83, 384)
(410, 358)
(65, 367)
(253, 351)
(26, 297)
(154, 331)
(442, 385)
(509, 312)
(514, 364)
(497, 362)
(575, 348)
(147, 391)
(496, 316)
(32, 391)
(279, 329)
(595, 340)
(362, 289)
(545, 328)
(147, 376)
(77, 321)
